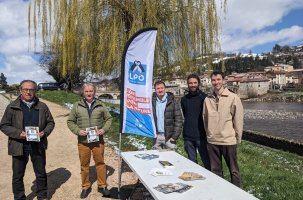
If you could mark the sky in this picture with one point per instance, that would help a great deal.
(255, 25)
(258, 25)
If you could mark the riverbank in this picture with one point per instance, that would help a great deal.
(287, 97)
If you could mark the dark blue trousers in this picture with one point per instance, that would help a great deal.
(19, 166)
(191, 148)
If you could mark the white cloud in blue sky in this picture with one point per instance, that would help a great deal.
(255, 25)
(259, 24)
(16, 60)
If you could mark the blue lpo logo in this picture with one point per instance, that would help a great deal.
(137, 73)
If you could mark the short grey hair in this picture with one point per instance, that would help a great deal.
(28, 81)
(87, 85)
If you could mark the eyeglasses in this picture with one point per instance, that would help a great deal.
(28, 90)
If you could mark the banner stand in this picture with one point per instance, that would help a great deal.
(119, 166)
(136, 78)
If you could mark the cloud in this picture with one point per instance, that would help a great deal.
(14, 45)
(249, 40)
(13, 18)
(17, 62)
(247, 23)
(20, 67)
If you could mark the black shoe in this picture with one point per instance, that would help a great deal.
(104, 191)
(85, 193)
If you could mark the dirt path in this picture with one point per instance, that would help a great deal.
(63, 166)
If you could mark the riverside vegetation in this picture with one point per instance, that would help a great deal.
(266, 173)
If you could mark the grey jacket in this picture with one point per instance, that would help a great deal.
(12, 125)
(173, 121)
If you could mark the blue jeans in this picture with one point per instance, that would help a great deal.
(191, 148)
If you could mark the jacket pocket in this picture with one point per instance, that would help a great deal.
(15, 148)
(213, 123)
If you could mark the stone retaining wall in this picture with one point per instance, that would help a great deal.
(274, 142)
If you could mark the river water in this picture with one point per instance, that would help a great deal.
(278, 119)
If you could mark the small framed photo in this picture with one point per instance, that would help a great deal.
(92, 135)
(32, 134)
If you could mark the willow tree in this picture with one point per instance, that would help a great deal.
(91, 34)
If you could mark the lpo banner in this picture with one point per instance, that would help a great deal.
(137, 77)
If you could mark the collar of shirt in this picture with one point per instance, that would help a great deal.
(160, 109)
(164, 99)
(225, 92)
(90, 104)
(29, 104)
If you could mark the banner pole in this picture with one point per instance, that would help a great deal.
(119, 165)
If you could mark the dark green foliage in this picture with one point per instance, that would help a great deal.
(3, 83)
(244, 64)
(14, 87)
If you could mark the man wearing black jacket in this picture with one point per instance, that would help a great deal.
(193, 131)
(25, 112)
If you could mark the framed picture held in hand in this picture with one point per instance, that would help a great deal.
(92, 135)
(32, 133)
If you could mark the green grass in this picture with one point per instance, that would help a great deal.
(265, 172)
(59, 97)
(270, 174)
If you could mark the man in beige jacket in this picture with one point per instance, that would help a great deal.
(223, 122)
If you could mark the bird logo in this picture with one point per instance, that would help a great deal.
(137, 67)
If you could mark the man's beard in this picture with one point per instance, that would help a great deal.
(193, 89)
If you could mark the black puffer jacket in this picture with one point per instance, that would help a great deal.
(173, 117)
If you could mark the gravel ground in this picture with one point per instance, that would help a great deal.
(63, 166)
(3, 103)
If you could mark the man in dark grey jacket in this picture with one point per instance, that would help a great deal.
(27, 111)
(167, 117)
